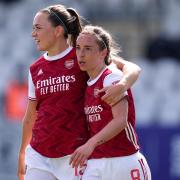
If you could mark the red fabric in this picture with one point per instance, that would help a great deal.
(99, 114)
(60, 86)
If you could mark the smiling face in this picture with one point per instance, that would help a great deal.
(89, 56)
(43, 32)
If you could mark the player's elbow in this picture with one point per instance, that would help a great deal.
(138, 71)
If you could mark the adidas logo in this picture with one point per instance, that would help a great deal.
(40, 72)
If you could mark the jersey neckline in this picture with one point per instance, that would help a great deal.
(58, 56)
(90, 82)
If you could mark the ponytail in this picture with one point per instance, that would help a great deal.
(74, 26)
(68, 18)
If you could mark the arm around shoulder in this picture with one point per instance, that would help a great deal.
(131, 72)
(115, 93)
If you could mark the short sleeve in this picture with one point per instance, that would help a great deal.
(31, 88)
(113, 78)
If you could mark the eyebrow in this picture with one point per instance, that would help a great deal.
(88, 46)
(34, 25)
(85, 45)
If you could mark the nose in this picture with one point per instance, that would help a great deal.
(81, 53)
(33, 33)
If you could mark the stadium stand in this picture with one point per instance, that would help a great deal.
(157, 92)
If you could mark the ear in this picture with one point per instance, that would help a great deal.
(59, 31)
(104, 53)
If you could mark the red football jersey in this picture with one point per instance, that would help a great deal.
(99, 114)
(60, 126)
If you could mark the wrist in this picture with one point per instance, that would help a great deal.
(22, 151)
(123, 85)
(93, 142)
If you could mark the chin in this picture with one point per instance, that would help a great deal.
(82, 68)
(40, 48)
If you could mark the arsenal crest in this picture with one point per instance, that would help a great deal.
(69, 63)
(96, 92)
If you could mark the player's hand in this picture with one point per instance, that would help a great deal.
(21, 167)
(80, 155)
(113, 93)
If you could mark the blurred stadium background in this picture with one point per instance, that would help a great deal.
(149, 34)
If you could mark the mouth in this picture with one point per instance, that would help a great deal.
(37, 41)
(81, 63)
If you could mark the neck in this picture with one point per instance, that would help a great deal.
(96, 71)
(58, 47)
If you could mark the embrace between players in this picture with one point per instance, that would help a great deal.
(87, 129)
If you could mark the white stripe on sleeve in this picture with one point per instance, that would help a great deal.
(31, 88)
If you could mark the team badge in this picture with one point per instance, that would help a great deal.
(69, 63)
(96, 92)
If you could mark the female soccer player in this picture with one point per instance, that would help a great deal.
(113, 148)
(54, 124)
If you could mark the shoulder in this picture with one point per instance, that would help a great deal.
(71, 54)
(37, 61)
(113, 76)
(34, 67)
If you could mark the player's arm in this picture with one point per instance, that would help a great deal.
(28, 122)
(114, 127)
(131, 73)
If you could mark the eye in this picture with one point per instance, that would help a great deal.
(88, 48)
(77, 48)
(36, 28)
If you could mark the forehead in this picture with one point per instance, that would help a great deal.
(87, 38)
(40, 18)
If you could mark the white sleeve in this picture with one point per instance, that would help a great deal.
(31, 88)
(113, 78)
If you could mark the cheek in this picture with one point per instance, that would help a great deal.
(47, 34)
(77, 53)
(93, 58)
(48, 40)
(91, 62)
(95, 61)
